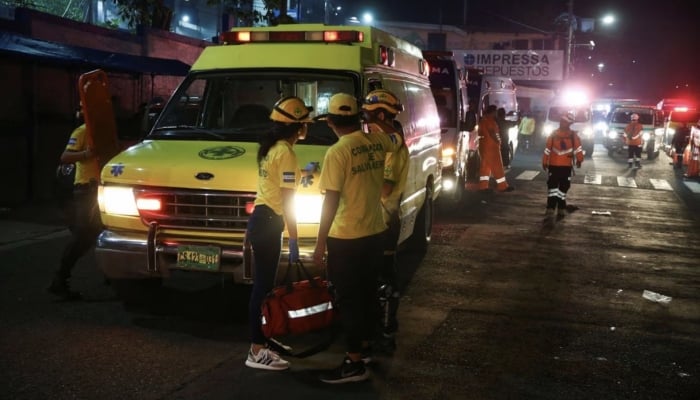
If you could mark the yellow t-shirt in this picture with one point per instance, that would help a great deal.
(354, 166)
(86, 171)
(279, 169)
(396, 172)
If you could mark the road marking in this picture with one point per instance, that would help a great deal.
(693, 186)
(626, 181)
(593, 179)
(527, 175)
(660, 184)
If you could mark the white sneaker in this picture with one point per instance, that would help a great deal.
(266, 359)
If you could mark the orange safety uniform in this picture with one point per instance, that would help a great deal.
(562, 151)
(633, 138)
(490, 152)
(633, 134)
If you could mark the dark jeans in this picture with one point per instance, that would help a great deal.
(634, 153)
(265, 236)
(84, 224)
(353, 268)
(558, 183)
(389, 292)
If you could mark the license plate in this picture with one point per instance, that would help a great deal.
(206, 258)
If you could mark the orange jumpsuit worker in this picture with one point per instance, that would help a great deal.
(490, 151)
(633, 136)
(562, 151)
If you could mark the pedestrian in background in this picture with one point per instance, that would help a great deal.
(562, 151)
(382, 106)
(633, 137)
(679, 142)
(490, 153)
(352, 228)
(503, 126)
(84, 215)
(525, 130)
(278, 177)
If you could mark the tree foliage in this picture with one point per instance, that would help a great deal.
(243, 10)
(72, 9)
(136, 13)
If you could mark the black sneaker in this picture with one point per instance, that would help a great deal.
(348, 371)
(60, 288)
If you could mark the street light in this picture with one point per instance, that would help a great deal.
(570, 45)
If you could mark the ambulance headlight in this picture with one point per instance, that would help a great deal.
(513, 132)
(308, 208)
(448, 154)
(117, 200)
(612, 134)
(646, 136)
(601, 126)
(548, 129)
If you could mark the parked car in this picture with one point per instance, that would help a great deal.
(652, 129)
(676, 118)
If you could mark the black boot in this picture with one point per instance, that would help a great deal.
(59, 287)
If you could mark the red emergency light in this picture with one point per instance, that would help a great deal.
(680, 109)
(242, 37)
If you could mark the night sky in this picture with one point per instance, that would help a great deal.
(653, 47)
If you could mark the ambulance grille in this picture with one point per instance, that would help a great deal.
(197, 209)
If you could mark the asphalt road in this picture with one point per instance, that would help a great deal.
(499, 307)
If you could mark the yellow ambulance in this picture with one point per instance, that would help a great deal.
(176, 205)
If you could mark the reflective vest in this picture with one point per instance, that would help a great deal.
(562, 147)
(633, 133)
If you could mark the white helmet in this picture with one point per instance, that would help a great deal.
(634, 117)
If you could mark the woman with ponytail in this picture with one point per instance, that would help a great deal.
(278, 176)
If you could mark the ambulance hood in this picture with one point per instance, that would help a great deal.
(193, 164)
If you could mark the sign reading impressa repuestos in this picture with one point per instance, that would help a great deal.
(523, 65)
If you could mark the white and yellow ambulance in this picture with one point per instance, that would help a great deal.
(178, 202)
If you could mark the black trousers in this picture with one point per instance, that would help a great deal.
(265, 235)
(558, 184)
(353, 268)
(84, 224)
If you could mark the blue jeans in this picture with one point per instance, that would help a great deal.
(265, 236)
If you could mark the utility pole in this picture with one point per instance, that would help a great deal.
(570, 39)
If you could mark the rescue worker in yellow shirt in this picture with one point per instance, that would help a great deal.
(633, 137)
(84, 215)
(562, 151)
(352, 228)
(278, 177)
(382, 107)
(490, 152)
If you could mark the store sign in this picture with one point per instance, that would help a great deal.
(536, 65)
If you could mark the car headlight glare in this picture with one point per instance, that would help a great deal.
(117, 200)
(646, 136)
(612, 134)
(308, 208)
(548, 128)
(587, 132)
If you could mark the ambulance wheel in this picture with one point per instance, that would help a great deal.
(422, 230)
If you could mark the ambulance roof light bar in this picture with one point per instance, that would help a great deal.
(241, 37)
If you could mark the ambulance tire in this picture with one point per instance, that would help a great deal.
(422, 230)
(651, 154)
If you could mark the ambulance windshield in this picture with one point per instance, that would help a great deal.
(236, 106)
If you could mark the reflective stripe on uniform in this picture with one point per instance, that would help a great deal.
(555, 192)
